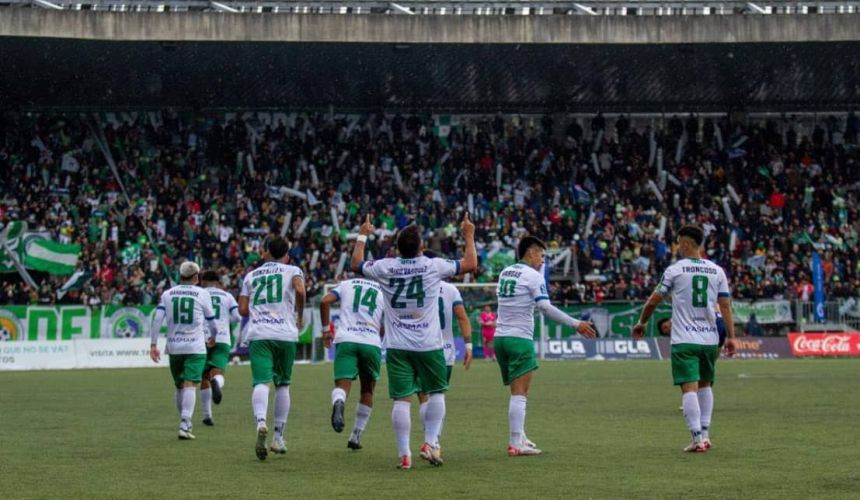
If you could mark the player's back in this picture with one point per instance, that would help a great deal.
(695, 285)
(361, 311)
(520, 287)
(185, 308)
(449, 297)
(224, 307)
(272, 302)
(411, 291)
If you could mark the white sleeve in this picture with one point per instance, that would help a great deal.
(337, 291)
(371, 269)
(245, 291)
(664, 288)
(537, 287)
(556, 314)
(446, 267)
(157, 320)
(723, 285)
(458, 299)
(234, 310)
(208, 312)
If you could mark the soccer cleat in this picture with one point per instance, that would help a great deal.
(523, 451)
(707, 443)
(405, 463)
(216, 391)
(185, 435)
(260, 447)
(432, 454)
(278, 446)
(337, 422)
(354, 442)
(696, 447)
(208, 421)
(528, 442)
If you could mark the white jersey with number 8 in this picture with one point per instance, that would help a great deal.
(272, 302)
(695, 285)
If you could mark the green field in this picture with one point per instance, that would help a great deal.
(782, 429)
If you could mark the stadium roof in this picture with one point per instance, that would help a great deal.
(462, 77)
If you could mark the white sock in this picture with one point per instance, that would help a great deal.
(260, 402)
(692, 413)
(337, 394)
(206, 399)
(422, 412)
(706, 405)
(178, 397)
(401, 420)
(220, 379)
(517, 419)
(189, 397)
(362, 415)
(434, 417)
(282, 410)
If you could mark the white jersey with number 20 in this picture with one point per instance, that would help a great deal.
(272, 302)
(695, 285)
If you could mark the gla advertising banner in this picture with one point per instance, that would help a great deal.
(766, 311)
(38, 323)
(825, 344)
(601, 349)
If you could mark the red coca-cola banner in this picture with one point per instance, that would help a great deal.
(825, 344)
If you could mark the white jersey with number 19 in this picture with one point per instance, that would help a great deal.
(411, 291)
(360, 317)
(695, 285)
(272, 302)
(186, 308)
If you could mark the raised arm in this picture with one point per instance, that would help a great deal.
(469, 262)
(325, 316)
(364, 231)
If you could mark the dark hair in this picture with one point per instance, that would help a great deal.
(409, 241)
(695, 233)
(526, 243)
(209, 276)
(661, 323)
(277, 247)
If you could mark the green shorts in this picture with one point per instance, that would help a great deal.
(218, 356)
(694, 362)
(516, 357)
(272, 361)
(410, 372)
(450, 370)
(187, 368)
(353, 359)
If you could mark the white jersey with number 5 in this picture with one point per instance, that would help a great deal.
(186, 310)
(360, 316)
(272, 302)
(449, 297)
(226, 312)
(411, 290)
(520, 288)
(695, 285)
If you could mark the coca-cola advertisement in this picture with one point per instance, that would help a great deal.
(825, 344)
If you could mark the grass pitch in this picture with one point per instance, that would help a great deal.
(781, 429)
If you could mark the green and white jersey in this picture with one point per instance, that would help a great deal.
(360, 317)
(186, 309)
(694, 285)
(272, 302)
(520, 287)
(226, 312)
(449, 296)
(411, 291)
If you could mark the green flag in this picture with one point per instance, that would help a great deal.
(51, 257)
(12, 233)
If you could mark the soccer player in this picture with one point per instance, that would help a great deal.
(185, 307)
(217, 356)
(450, 307)
(521, 288)
(696, 287)
(415, 359)
(487, 319)
(273, 298)
(358, 352)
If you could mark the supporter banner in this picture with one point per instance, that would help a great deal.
(766, 311)
(825, 344)
(36, 323)
(747, 348)
(601, 349)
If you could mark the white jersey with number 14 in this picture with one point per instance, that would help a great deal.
(360, 317)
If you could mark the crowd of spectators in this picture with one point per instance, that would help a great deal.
(210, 187)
